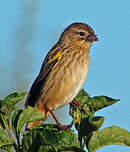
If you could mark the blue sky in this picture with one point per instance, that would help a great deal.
(30, 28)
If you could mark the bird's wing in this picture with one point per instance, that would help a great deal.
(49, 64)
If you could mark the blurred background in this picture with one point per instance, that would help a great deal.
(28, 30)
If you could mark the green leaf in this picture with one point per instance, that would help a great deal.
(15, 118)
(89, 106)
(96, 122)
(2, 121)
(8, 104)
(28, 115)
(46, 148)
(52, 140)
(88, 125)
(108, 136)
(98, 102)
(72, 149)
(81, 94)
(78, 114)
(5, 142)
(14, 97)
(67, 139)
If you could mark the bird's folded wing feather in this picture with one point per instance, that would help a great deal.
(39, 82)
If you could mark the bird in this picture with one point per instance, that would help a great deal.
(63, 72)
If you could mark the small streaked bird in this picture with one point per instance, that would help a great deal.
(63, 72)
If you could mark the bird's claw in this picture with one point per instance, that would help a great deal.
(64, 127)
(76, 104)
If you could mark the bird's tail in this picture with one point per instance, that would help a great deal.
(31, 125)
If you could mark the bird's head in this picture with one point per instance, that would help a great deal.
(79, 35)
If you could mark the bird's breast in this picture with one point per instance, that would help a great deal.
(66, 80)
(72, 77)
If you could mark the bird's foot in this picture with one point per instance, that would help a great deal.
(64, 127)
(60, 126)
(76, 104)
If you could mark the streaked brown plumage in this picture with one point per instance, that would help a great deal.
(63, 71)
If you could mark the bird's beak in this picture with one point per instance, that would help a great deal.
(92, 38)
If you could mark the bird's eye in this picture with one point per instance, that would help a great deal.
(81, 33)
